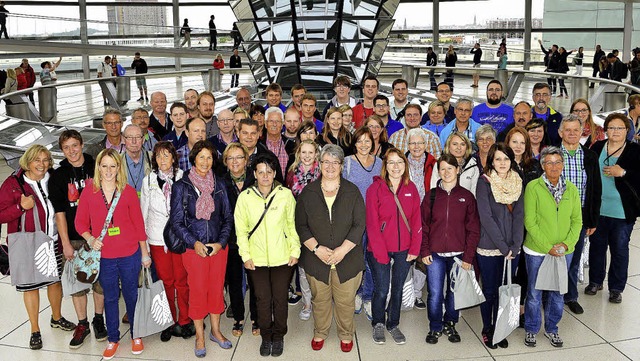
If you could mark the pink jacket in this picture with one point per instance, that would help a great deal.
(386, 229)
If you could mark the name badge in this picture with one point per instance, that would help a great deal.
(139, 193)
(114, 231)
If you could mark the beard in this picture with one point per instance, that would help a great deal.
(494, 101)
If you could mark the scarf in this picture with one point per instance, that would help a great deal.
(507, 190)
(206, 185)
(165, 181)
(556, 191)
(416, 173)
(301, 179)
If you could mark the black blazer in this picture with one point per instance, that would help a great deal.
(593, 196)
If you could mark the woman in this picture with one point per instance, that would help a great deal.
(553, 219)
(459, 146)
(633, 114)
(22, 194)
(269, 247)
(205, 226)
(334, 132)
(155, 201)
(238, 115)
(11, 84)
(436, 117)
(501, 210)
(450, 59)
(306, 131)
(236, 180)
(257, 113)
(537, 129)
(185, 31)
(394, 233)
(304, 170)
(577, 60)
(529, 167)
(330, 217)
(591, 132)
(450, 229)
(48, 73)
(122, 249)
(360, 169)
(502, 58)
(22, 78)
(118, 70)
(380, 137)
(485, 138)
(347, 118)
(563, 68)
(605, 68)
(218, 62)
(619, 165)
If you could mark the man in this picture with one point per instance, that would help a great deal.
(135, 160)
(196, 130)
(3, 20)
(65, 186)
(292, 123)
(248, 136)
(227, 134)
(235, 62)
(619, 71)
(206, 108)
(381, 109)
(400, 91)
(443, 94)
(140, 66)
(522, 115)
(363, 110)
(400, 139)
(309, 110)
(580, 168)
(341, 86)
(599, 53)
(105, 71)
(274, 140)
(432, 60)
(493, 111)
(31, 76)
(477, 58)
(140, 117)
(243, 99)
(274, 97)
(463, 122)
(552, 62)
(191, 101)
(177, 135)
(297, 92)
(112, 124)
(160, 121)
(542, 110)
(213, 34)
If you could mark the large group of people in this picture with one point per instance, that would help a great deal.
(340, 210)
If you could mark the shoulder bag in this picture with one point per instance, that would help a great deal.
(266, 208)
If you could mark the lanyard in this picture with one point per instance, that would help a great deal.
(139, 173)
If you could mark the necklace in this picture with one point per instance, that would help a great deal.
(362, 165)
(327, 190)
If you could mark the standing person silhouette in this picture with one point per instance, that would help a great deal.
(213, 33)
(185, 31)
(3, 20)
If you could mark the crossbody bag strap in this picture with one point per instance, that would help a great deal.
(404, 217)
(266, 208)
(107, 220)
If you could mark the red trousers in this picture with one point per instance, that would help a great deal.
(174, 277)
(205, 276)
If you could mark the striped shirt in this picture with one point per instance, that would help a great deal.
(574, 170)
(400, 140)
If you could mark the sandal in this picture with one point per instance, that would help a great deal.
(35, 342)
(238, 327)
(255, 330)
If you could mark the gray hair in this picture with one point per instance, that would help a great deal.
(486, 129)
(274, 110)
(112, 111)
(132, 126)
(417, 132)
(570, 118)
(464, 100)
(333, 151)
(550, 150)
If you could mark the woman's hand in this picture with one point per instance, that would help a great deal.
(146, 261)
(411, 257)
(201, 249)
(27, 202)
(338, 255)
(216, 248)
(324, 253)
(97, 245)
(613, 171)
(292, 261)
(428, 260)
(466, 266)
(509, 255)
(68, 251)
(249, 265)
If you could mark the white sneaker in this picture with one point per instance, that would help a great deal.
(358, 304)
(367, 309)
(305, 313)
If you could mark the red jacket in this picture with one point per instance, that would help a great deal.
(92, 211)
(455, 226)
(386, 229)
(360, 114)
(218, 64)
(430, 163)
(31, 76)
(10, 211)
(22, 81)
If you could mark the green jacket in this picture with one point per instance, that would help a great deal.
(548, 224)
(275, 239)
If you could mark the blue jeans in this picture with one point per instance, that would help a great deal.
(574, 267)
(614, 233)
(491, 272)
(114, 273)
(437, 273)
(366, 288)
(554, 302)
(383, 274)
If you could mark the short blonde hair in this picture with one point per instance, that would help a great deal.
(464, 138)
(121, 177)
(31, 154)
(231, 146)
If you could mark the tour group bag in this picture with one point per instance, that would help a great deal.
(32, 258)
(552, 275)
(70, 284)
(465, 287)
(152, 314)
(508, 317)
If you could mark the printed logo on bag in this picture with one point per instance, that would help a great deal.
(476, 287)
(45, 260)
(514, 312)
(160, 311)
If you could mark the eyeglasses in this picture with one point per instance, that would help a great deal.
(444, 91)
(616, 129)
(396, 163)
(225, 120)
(415, 144)
(134, 137)
(464, 110)
(541, 95)
(334, 163)
(110, 124)
(553, 164)
(494, 90)
(236, 158)
(581, 111)
(484, 139)
(381, 106)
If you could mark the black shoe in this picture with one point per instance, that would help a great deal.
(419, 304)
(265, 348)
(166, 334)
(294, 299)
(432, 337)
(98, 328)
(277, 348)
(229, 312)
(188, 330)
(615, 297)
(62, 324)
(146, 99)
(575, 307)
(176, 330)
(503, 344)
(450, 331)
(140, 99)
(81, 332)
(35, 342)
(487, 339)
(592, 289)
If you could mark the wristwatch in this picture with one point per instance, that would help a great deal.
(315, 248)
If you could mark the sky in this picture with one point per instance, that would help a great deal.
(416, 15)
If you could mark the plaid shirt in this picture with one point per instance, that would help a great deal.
(574, 171)
(183, 158)
(400, 140)
(277, 148)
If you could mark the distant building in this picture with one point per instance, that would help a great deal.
(509, 23)
(133, 20)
